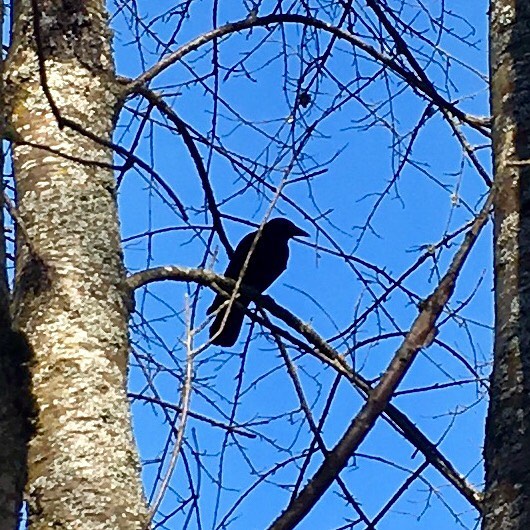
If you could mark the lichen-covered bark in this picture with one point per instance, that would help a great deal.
(70, 295)
(507, 450)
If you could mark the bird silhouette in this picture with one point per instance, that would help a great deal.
(267, 261)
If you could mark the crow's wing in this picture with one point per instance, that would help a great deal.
(234, 267)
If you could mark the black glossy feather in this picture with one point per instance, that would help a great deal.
(268, 260)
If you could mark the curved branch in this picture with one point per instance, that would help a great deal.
(183, 129)
(418, 84)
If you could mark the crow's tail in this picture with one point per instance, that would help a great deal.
(229, 333)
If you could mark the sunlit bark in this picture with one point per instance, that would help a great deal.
(70, 299)
(507, 500)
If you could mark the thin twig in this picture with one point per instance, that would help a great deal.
(184, 408)
(427, 89)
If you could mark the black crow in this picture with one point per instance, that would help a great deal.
(267, 261)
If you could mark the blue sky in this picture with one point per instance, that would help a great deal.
(359, 160)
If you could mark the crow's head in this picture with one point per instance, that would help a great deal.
(282, 228)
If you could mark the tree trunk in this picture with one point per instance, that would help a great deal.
(507, 449)
(70, 299)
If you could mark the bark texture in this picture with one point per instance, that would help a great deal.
(507, 449)
(70, 298)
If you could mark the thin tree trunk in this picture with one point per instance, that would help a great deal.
(507, 449)
(70, 297)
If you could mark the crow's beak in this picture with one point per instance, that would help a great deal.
(299, 232)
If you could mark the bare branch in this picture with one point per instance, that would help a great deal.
(480, 124)
(420, 336)
(326, 353)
